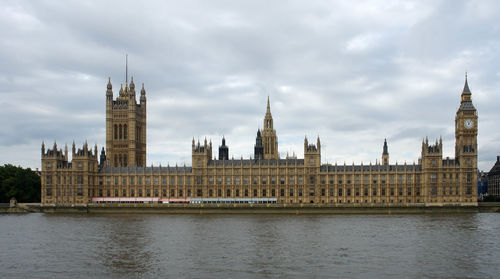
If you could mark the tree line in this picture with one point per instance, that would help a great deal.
(23, 184)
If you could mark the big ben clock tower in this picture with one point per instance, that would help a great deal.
(466, 145)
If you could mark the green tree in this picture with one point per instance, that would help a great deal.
(23, 184)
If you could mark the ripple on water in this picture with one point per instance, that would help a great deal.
(249, 246)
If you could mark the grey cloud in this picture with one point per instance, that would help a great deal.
(354, 73)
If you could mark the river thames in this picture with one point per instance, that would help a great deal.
(249, 246)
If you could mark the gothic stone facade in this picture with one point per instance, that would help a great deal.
(122, 172)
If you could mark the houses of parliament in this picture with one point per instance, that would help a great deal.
(118, 173)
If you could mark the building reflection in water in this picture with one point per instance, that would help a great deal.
(127, 244)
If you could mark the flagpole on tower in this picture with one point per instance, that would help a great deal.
(126, 68)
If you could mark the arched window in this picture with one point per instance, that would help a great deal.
(116, 160)
(120, 159)
(116, 132)
(124, 131)
(121, 134)
(124, 160)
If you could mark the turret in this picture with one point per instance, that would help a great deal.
(385, 154)
(121, 92)
(312, 154)
(109, 91)
(102, 159)
(432, 154)
(202, 154)
(258, 148)
(132, 89)
(86, 148)
(143, 95)
(223, 150)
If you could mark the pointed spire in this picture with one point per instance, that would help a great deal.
(43, 147)
(109, 86)
(386, 152)
(143, 91)
(466, 86)
(268, 105)
(132, 85)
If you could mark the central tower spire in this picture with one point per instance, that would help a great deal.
(269, 139)
(268, 106)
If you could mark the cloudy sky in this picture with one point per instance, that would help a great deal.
(352, 73)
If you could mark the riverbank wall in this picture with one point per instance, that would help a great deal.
(249, 208)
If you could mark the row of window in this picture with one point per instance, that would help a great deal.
(64, 192)
(264, 193)
(180, 193)
(79, 165)
(245, 180)
(121, 160)
(468, 162)
(448, 177)
(64, 180)
(120, 131)
(449, 190)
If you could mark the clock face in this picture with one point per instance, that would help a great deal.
(468, 123)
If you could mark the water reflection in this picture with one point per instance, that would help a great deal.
(444, 241)
(206, 246)
(125, 245)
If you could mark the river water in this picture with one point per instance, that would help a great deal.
(249, 246)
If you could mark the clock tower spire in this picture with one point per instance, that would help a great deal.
(466, 127)
(465, 123)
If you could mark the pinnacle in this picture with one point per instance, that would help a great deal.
(466, 86)
(268, 110)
